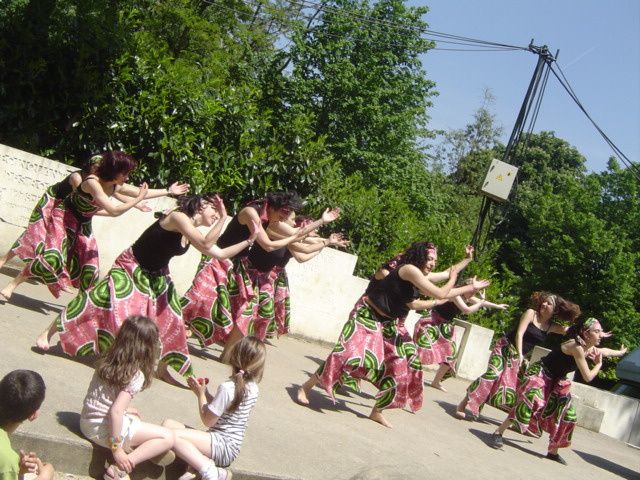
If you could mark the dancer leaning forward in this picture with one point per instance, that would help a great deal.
(544, 394)
(140, 284)
(374, 344)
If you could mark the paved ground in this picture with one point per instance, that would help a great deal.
(286, 440)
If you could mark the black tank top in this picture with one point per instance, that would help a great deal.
(391, 295)
(63, 188)
(156, 246)
(236, 233)
(264, 261)
(447, 310)
(532, 336)
(558, 364)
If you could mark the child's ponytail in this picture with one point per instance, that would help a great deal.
(247, 360)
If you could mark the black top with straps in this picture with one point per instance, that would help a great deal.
(264, 261)
(236, 233)
(62, 188)
(447, 310)
(391, 295)
(532, 336)
(558, 364)
(156, 246)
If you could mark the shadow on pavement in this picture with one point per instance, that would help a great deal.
(33, 304)
(70, 420)
(318, 401)
(608, 465)
(56, 351)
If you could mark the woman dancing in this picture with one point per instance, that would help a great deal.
(544, 395)
(374, 344)
(58, 244)
(433, 333)
(270, 302)
(498, 384)
(140, 284)
(214, 307)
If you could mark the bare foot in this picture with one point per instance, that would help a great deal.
(376, 416)
(5, 295)
(302, 397)
(438, 386)
(163, 374)
(460, 414)
(42, 342)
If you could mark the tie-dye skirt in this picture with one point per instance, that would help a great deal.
(498, 385)
(544, 405)
(382, 354)
(89, 324)
(206, 307)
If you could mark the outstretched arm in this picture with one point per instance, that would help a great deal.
(95, 190)
(176, 189)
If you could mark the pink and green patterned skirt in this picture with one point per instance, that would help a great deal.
(381, 354)
(62, 252)
(206, 307)
(544, 405)
(269, 304)
(433, 336)
(24, 246)
(89, 324)
(499, 384)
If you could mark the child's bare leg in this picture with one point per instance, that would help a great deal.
(44, 339)
(194, 447)
(303, 391)
(234, 337)
(437, 380)
(150, 441)
(172, 424)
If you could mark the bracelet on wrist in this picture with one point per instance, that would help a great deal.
(115, 442)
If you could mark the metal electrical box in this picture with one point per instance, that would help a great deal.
(499, 180)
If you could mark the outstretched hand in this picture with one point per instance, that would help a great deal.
(329, 215)
(142, 191)
(178, 188)
(338, 240)
(257, 227)
(218, 205)
(143, 207)
(479, 284)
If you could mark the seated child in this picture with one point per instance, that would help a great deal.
(21, 395)
(226, 414)
(126, 369)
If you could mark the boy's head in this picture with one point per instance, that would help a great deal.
(21, 395)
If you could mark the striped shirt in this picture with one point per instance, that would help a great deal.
(230, 427)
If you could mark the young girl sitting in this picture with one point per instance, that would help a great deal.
(126, 369)
(226, 414)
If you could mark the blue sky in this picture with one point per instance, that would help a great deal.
(599, 43)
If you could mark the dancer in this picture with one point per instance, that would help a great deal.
(64, 254)
(433, 332)
(106, 419)
(214, 307)
(270, 302)
(226, 414)
(374, 344)
(544, 395)
(498, 384)
(140, 283)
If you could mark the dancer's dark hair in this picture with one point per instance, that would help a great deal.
(416, 254)
(114, 163)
